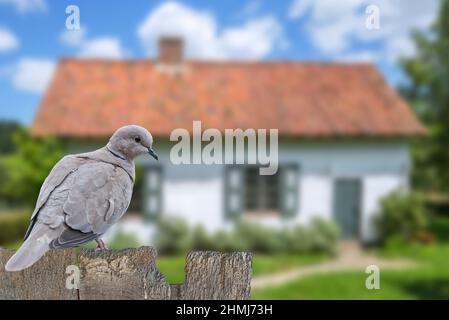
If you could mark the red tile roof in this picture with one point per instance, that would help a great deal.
(95, 97)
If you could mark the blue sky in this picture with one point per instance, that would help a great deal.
(33, 35)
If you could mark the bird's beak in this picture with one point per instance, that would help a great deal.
(153, 154)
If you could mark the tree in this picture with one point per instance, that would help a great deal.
(23, 172)
(7, 131)
(428, 92)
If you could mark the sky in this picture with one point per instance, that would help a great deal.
(34, 35)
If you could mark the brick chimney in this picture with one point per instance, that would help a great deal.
(171, 50)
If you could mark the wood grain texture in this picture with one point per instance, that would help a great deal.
(44, 280)
(218, 276)
(127, 274)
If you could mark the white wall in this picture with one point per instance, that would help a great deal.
(199, 201)
(195, 192)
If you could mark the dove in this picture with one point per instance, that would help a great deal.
(83, 196)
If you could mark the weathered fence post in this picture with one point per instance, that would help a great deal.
(126, 274)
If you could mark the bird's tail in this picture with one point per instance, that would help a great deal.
(34, 247)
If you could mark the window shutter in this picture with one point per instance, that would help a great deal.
(234, 191)
(152, 192)
(289, 190)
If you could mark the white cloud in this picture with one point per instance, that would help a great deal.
(335, 27)
(25, 6)
(73, 38)
(252, 40)
(32, 75)
(106, 48)
(8, 41)
(101, 47)
(255, 39)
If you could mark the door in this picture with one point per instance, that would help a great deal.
(347, 195)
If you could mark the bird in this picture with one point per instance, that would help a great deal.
(83, 196)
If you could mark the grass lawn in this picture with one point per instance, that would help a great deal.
(173, 266)
(430, 280)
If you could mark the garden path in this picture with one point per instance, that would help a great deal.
(351, 258)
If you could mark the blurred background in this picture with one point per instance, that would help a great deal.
(359, 91)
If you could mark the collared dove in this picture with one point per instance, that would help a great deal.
(83, 196)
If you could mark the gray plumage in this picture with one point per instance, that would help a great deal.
(83, 196)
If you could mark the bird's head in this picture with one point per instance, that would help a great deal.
(131, 141)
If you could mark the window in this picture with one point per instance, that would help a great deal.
(261, 192)
(233, 191)
(289, 190)
(246, 191)
(152, 192)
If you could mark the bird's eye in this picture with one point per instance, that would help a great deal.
(137, 139)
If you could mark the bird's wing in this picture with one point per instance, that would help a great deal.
(58, 174)
(99, 196)
(63, 169)
(71, 238)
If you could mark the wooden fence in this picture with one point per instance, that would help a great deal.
(126, 274)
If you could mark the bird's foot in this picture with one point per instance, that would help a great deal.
(100, 245)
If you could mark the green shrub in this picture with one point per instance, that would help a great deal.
(324, 236)
(319, 236)
(201, 240)
(439, 227)
(13, 226)
(172, 235)
(123, 240)
(226, 241)
(298, 239)
(402, 216)
(257, 238)
(437, 204)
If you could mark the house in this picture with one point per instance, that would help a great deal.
(343, 134)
